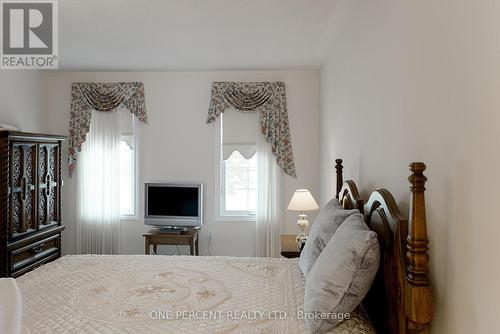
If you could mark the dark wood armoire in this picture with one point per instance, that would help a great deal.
(30, 201)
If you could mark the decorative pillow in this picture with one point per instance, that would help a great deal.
(11, 306)
(342, 275)
(330, 217)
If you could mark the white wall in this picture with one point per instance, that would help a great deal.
(420, 81)
(177, 144)
(22, 100)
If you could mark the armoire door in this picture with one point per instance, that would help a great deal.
(49, 185)
(23, 197)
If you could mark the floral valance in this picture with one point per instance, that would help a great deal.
(88, 96)
(269, 100)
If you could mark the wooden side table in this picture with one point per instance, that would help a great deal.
(289, 248)
(155, 238)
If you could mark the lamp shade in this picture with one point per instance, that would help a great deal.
(302, 200)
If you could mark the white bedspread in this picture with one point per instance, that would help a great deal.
(158, 294)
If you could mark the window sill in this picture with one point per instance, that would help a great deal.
(128, 218)
(250, 219)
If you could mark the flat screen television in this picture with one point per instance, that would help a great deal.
(174, 204)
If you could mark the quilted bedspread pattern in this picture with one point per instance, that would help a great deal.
(168, 294)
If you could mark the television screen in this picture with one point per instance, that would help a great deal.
(172, 201)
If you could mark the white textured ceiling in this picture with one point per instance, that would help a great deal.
(193, 34)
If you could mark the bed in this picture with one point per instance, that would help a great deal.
(168, 294)
(187, 294)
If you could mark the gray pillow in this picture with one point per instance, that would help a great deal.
(330, 217)
(342, 275)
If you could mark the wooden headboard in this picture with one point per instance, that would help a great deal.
(400, 299)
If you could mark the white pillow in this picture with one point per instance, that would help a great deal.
(11, 306)
(342, 275)
(330, 217)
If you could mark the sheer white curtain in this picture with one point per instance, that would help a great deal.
(269, 201)
(98, 187)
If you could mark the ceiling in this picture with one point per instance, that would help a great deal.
(175, 35)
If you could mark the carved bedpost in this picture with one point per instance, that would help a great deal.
(418, 291)
(340, 182)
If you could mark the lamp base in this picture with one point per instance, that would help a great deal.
(301, 240)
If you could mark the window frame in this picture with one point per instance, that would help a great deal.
(223, 211)
(135, 181)
(220, 186)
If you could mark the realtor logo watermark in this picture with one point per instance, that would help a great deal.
(29, 31)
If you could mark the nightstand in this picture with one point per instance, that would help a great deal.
(289, 248)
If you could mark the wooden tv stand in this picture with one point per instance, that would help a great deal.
(154, 238)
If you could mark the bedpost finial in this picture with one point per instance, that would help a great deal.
(418, 290)
(417, 167)
(417, 242)
(417, 177)
(340, 180)
(338, 165)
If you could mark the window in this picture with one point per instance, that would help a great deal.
(127, 167)
(239, 195)
(237, 166)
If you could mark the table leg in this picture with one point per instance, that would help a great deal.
(146, 246)
(155, 249)
(197, 247)
(191, 247)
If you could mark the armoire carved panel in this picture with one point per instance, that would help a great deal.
(48, 185)
(30, 201)
(22, 188)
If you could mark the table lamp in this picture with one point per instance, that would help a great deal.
(302, 201)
